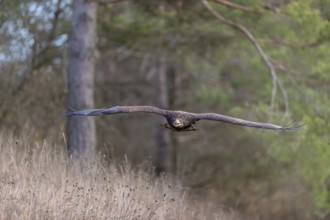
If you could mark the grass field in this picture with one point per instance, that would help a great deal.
(36, 182)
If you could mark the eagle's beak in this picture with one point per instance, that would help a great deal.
(177, 123)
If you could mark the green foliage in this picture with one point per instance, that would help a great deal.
(321, 69)
(308, 153)
(313, 162)
(308, 20)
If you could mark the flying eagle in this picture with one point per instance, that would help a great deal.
(181, 120)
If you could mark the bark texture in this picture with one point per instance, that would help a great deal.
(81, 71)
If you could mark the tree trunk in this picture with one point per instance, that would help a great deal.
(81, 130)
(162, 138)
(171, 94)
(165, 140)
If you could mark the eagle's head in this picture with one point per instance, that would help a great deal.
(178, 123)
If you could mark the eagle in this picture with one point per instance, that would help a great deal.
(182, 120)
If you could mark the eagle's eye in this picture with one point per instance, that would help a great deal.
(178, 123)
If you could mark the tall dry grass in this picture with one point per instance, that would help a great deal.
(36, 182)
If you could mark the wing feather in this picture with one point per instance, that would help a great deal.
(242, 122)
(117, 110)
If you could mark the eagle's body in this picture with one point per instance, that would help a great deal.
(181, 120)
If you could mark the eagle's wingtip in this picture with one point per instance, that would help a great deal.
(296, 127)
(71, 111)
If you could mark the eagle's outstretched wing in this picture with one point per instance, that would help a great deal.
(183, 121)
(117, 110)
(241, 122)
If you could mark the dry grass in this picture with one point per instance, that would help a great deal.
(37, 183)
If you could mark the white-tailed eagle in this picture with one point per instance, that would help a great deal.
(181, 120)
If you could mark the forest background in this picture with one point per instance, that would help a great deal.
(178, 55)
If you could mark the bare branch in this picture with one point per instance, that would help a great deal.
(313, 44)
(238, 6)
(109, 1)
(286, 99)
(312, 103)
(43, 54)
(256, 44)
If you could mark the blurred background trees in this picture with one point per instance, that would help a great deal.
(177, 55)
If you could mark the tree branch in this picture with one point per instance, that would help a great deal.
(238, 7)
(285, 97)
(39, 55)
(312, 103)
(280, 42)
(256, 44)
(109, 1)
